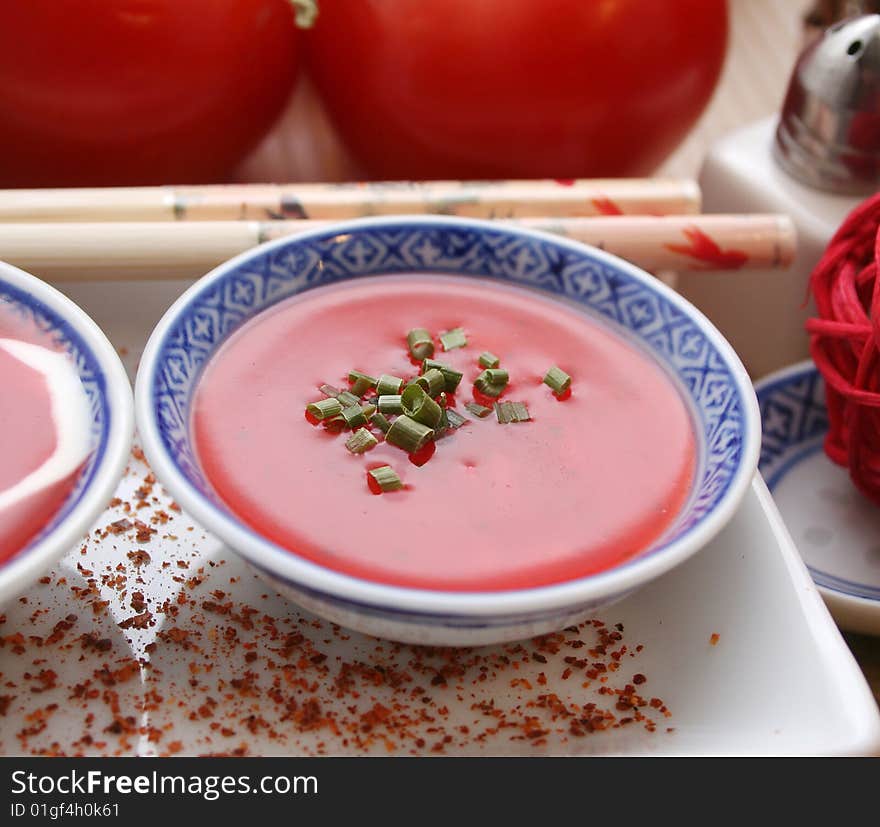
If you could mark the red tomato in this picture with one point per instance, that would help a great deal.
(516, 88)
(139, 91)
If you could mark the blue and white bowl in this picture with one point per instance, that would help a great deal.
(109, 393)
(696, 356)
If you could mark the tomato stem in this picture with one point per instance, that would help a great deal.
(305, 12)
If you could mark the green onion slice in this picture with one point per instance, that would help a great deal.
(489, 360)
(360, 441)
(479, 411)
(358, 415)
(451, 376)
(408, 434)
(511, 412)
(496, 376)
(454, 419)
(491, 382)
(419, 406)
(454, 338)
(335, 424)
(388, 384)
(347, 399)
(361, 385)
(390, 404)
(325, 409)
(329, 390)
(443, 425)
(420, 343)
(432, 382)
(558, 380)
(386, 478)
(354, 375)
(380, 421)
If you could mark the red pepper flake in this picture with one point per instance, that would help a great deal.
(139, 557)
(138, 621)
(119, 527)
(388, 697)
(714, 638)
(144, 532)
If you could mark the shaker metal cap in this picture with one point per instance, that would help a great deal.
(829, 130)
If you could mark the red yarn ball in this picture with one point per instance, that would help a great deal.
(845, 344)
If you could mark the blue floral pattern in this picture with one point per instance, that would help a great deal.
(795, 421)
(793, 414)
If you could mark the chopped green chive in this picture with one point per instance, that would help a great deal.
(386, 478)
(443, 425)
(511, 412)
(496, 376)
(411, 413)
(558, 380)
(361, 440)
(380, 421)
(485, 385)
(408, 434)
(334, 424)
(361, 385)
(454, 419)
(450, 375)
(347, 399)
(390, 404)
(419, 406)
(357, 415)
(479, 411)
(432, 381)
(325, 409)
(354, 375)
(420, 343)
(388, 384)
(452, 339)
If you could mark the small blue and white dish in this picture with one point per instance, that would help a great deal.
(710, 376)
(836, 529)
(109, 395)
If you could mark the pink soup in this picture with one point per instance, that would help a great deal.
(28, 438)
(589, 482)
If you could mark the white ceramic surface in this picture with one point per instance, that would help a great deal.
(779, 681)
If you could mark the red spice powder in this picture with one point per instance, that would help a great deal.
(178, 650)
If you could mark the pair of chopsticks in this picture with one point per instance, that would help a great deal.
(183, 232)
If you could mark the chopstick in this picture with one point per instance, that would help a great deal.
(260, 202)
(109, 251)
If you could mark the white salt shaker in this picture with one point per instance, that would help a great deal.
(814, 162)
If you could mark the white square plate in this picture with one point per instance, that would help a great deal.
(227, 666)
